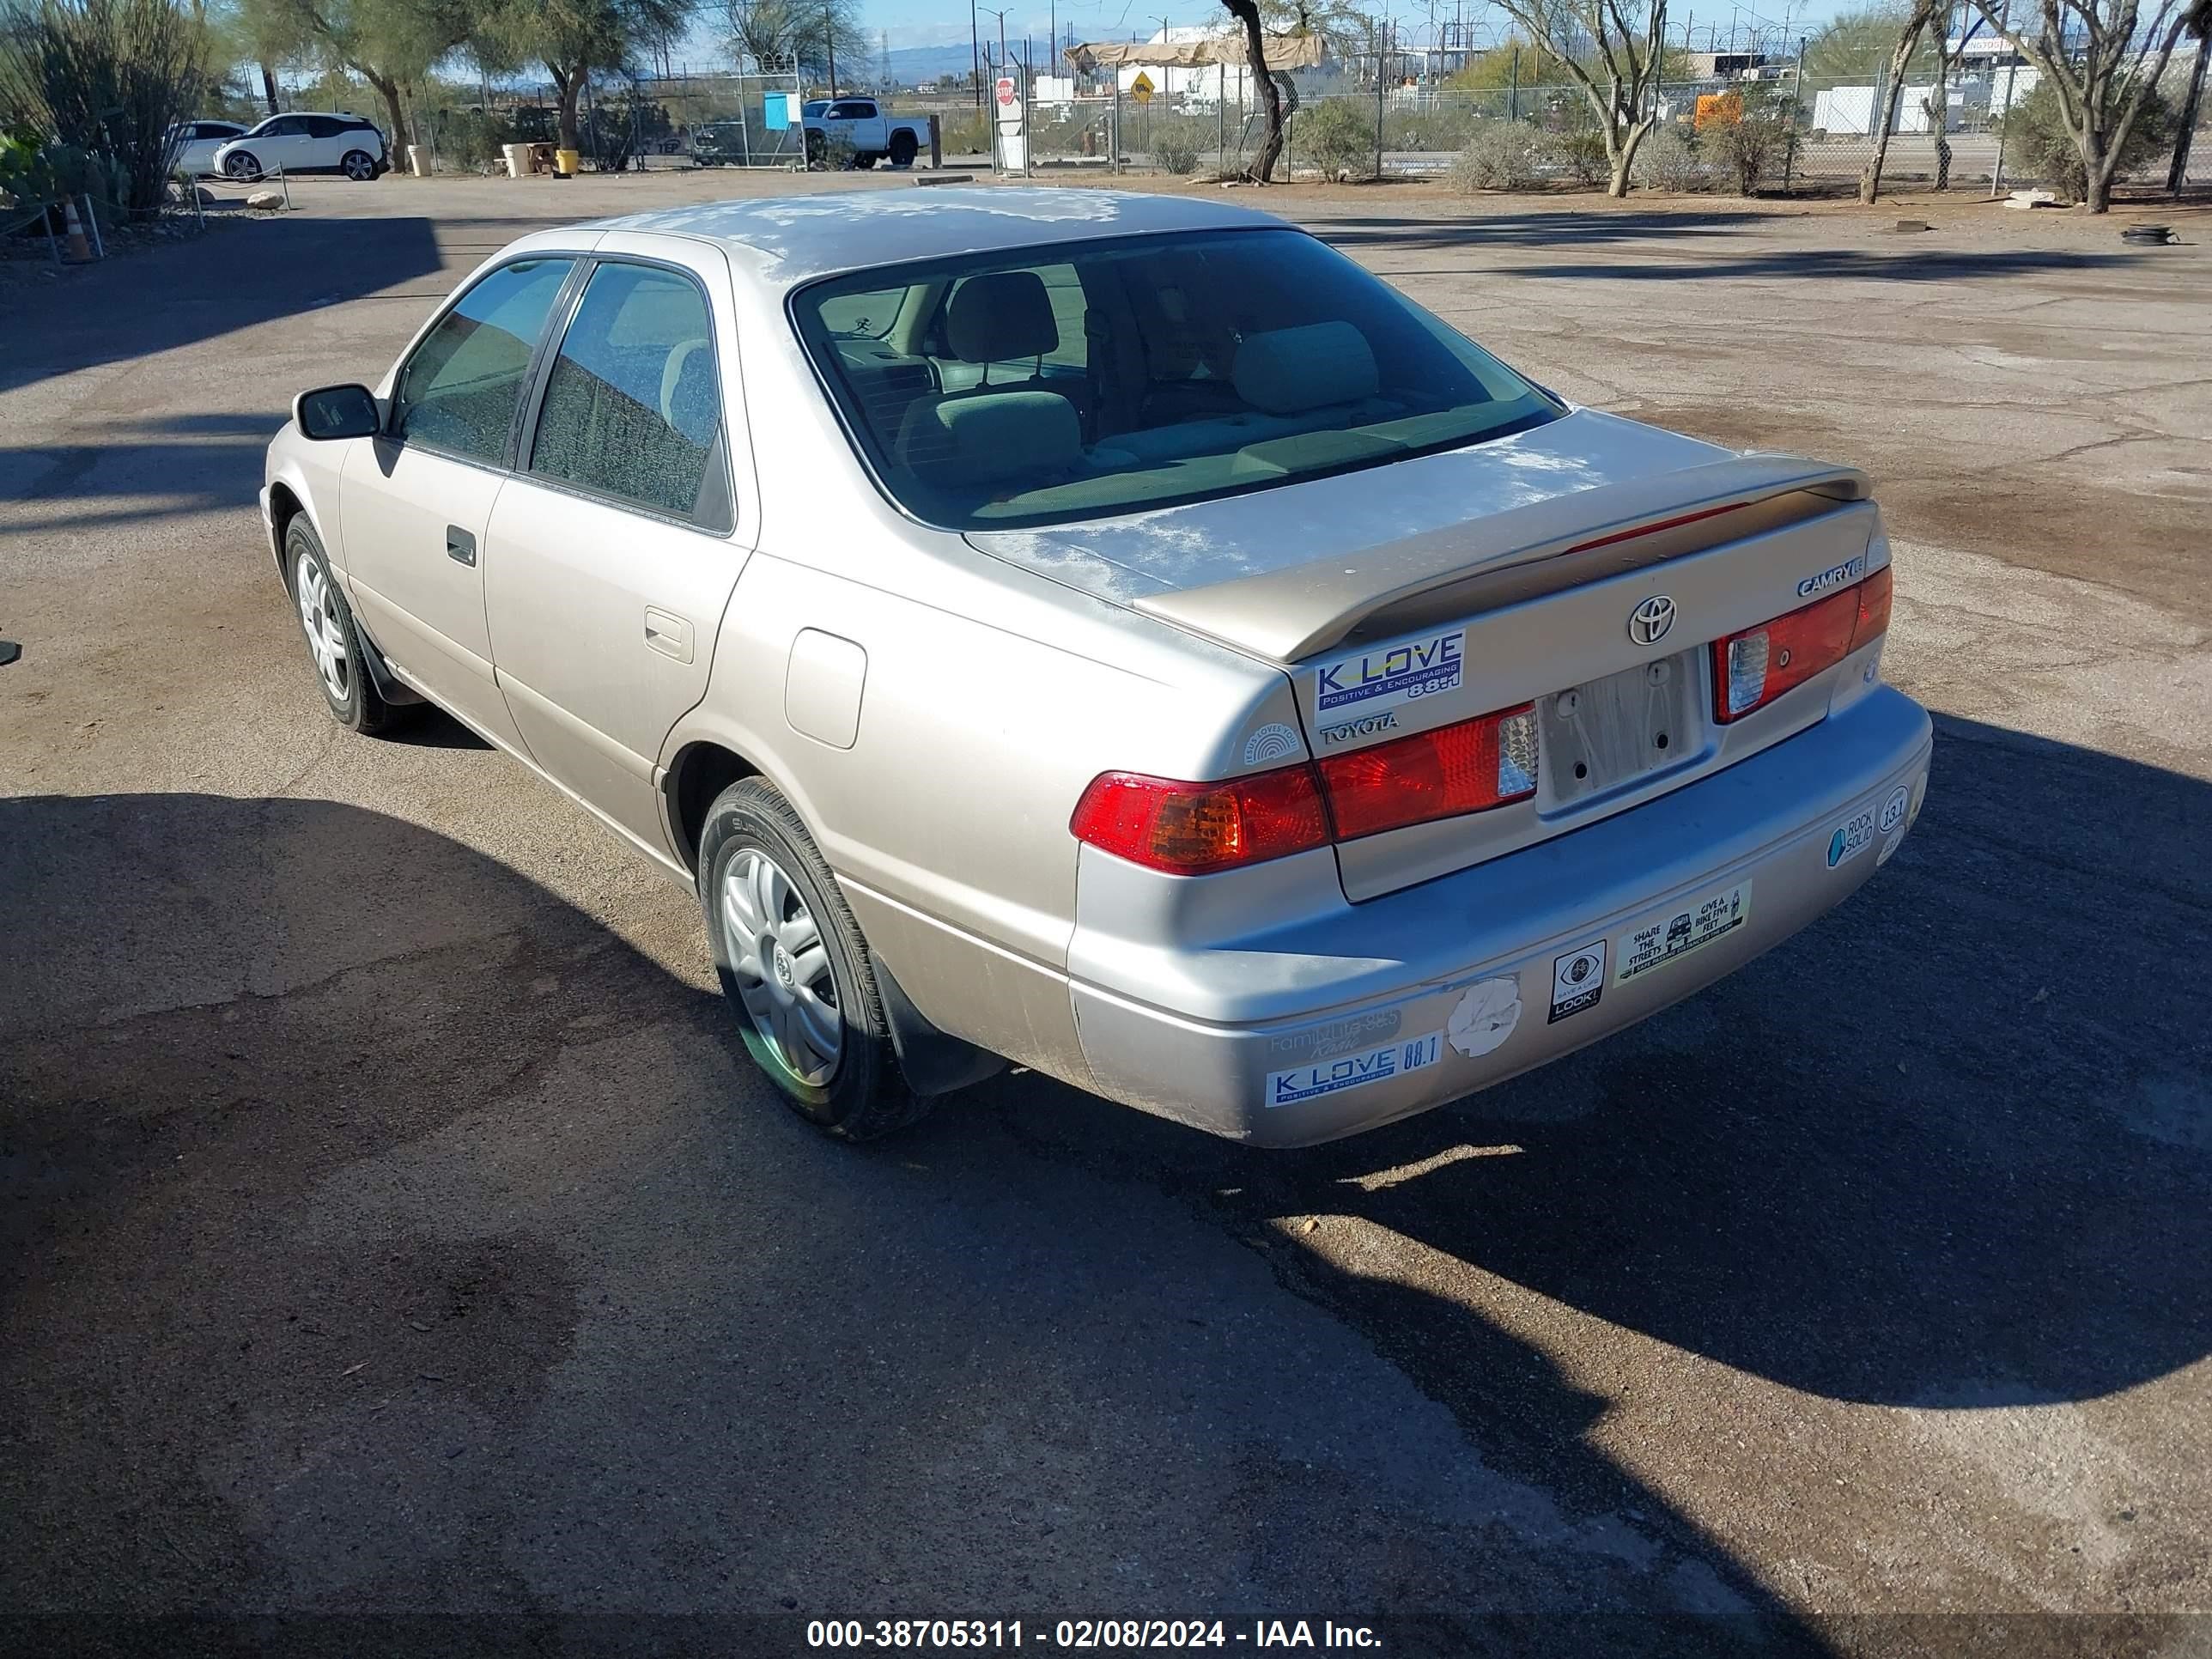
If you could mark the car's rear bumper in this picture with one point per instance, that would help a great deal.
(1385, 1008)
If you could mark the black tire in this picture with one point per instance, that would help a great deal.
(358, 707)
(817, 150)
(242, 166)
(359, 166)
(865, 160)
(903, 148)
(865, 1097)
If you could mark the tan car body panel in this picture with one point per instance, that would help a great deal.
(933, 708)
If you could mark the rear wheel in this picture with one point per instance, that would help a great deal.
(242, 165)
(796, 970)
(358, 165)
(902, 149)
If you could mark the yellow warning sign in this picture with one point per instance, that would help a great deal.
(1141, 88)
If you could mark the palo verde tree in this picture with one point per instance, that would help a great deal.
(573, 38)
(390, 44)
(1912, 25)
(1336, 23)
(2103, 59)
(1612, 51)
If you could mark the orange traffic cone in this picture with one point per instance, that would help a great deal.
(78, 247)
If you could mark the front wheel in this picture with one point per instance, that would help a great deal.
(333, 642)
(241, 166)
(796, 970)
(359, 166)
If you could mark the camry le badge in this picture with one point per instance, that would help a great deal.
(1648, 622)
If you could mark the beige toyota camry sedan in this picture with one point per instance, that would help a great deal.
(1114, 635)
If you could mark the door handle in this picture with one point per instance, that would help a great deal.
(670, 636)
(460, 545)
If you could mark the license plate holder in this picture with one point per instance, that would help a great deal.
(1617, 730)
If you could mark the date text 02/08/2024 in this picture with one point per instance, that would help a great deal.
(1087, 1633)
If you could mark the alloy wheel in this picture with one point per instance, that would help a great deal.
(782, 968)
(359, 167)
(318, 620)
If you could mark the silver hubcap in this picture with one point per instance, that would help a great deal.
(318, 620)
(358, 166)
(782, 968)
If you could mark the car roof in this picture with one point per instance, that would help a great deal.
(783, 240)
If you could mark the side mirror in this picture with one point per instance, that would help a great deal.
(337, 411)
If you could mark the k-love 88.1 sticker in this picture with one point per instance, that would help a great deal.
(1389, 675)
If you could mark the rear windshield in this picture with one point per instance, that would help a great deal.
(1044, 385)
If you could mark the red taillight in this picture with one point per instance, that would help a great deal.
(1468, 767)
(1190, 828)
(1752, 668)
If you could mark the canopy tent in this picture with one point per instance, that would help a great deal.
(1284, 51)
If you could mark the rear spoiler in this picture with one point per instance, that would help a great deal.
(1287, 615)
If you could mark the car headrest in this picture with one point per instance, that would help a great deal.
(999, 316)
(1289, 369)
(991, 437)
(693, 359)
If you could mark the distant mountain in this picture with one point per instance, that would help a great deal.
(911, 65)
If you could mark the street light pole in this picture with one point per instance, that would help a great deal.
(974, 55)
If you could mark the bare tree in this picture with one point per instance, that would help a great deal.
(2193, 102)
(1612, 50)
(2103, 58)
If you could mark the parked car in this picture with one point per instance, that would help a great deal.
(872, 133)
(306, 141)
(715, 144)
(197, 142)
(1113, 633)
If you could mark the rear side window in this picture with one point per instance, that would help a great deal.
(459, 390)
(325, 126)
(633, 403)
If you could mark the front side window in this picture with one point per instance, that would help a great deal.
(459, 390)
(1038, 386)
(633, 405)
(852, 111)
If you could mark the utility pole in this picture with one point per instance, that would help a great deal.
(976, 55)
(830, 39)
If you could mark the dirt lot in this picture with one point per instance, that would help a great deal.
(393, 1226)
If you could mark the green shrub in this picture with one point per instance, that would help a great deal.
(469, 140)
(112, 77)
(1498, 155)
(2037, 144)
(1176, 141)
(1337, 137)
(1669, 159)
(1760, 145)
(1576, 151)
(1439, 128)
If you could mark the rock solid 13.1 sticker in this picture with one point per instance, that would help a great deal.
(1578, 980)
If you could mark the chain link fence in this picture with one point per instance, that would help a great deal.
(1799, 124)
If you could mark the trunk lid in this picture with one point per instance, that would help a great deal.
(1407, 597)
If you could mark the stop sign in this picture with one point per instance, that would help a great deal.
(1006, 91)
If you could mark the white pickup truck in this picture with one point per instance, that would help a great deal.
(862, 123)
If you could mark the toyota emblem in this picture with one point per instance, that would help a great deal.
(1648, 622)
